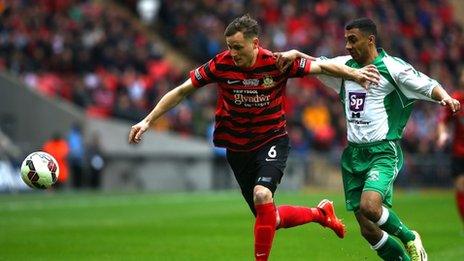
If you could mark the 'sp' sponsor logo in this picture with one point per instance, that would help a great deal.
(357, 101)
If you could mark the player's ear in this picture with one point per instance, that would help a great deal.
(255, 42)
(371, 39)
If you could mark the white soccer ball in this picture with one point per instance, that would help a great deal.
(39, 170)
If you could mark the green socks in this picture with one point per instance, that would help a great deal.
(389, 249)
(390, 223)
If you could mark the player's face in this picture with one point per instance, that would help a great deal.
(357, 44)
(242, 49)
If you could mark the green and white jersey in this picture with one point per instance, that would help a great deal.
(382, 111)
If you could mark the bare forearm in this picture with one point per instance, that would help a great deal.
(169, 101)
(299, 54)
(438, 93)
(338, 70)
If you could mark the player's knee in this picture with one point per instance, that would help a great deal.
(262, 195)
(371, 210)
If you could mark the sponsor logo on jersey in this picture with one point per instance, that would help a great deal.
(251, 98)
(268, 82)
(232, 81)
(357, 101)
(251, 82)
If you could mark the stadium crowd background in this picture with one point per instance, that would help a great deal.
(100, 57)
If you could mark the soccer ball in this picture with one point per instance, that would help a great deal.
(39, 170)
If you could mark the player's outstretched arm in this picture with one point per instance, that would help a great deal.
(439, 94)
(167, 102)
(285, 59)
(364, 76)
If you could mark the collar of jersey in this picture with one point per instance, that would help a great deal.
(377, 59)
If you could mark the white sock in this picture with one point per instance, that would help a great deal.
(383, 217)
(381, 241)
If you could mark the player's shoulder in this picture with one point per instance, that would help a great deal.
(223, 57)
(343, 59)
(396, 66)
(395, 62)
(266, 56)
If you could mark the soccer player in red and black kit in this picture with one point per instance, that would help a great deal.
(251, 125)
(457, 160)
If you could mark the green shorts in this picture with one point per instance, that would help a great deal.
(370, 167)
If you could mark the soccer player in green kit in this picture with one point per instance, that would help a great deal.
(375, 120)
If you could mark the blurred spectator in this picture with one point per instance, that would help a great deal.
(148, 10)
(96, 161)
(59, 149)
(76, 155)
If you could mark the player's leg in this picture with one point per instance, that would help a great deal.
(265, 224)
(241, 165)
(459, 184)
(385, 246)
(270, 162)
(355, 163)
(372, 208)
(386, 160)
(458, 175)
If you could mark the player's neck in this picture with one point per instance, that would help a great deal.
(372, 54)
(255, 57)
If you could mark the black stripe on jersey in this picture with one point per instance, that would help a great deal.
(263, 138)
(232, 68)
(208, 72)
(201, 80)
(250, 124)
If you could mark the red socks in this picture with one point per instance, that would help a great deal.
(291, 216)
(265, 227)
(460, 203)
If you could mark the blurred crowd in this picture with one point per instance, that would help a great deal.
(99, 56)
(95, 55)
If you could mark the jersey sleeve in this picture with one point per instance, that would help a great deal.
(332, 82)
(300, 68)
(203, 75)
(412, 83)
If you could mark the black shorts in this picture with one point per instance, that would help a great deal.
(457, 166)
(264, 166)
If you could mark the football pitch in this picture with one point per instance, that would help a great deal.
(199, 226)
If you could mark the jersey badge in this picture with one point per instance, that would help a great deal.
(268, 82)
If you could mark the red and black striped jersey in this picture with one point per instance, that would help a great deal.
(458, 121)
(250, 105)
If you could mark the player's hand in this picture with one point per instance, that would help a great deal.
(453, 104)
(135, 134)
(367, 75)
(285, 59)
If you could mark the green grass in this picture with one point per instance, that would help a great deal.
(198, 226)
